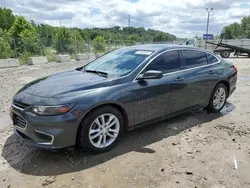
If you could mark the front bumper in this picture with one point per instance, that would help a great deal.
(47, 132)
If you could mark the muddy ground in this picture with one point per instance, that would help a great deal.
(194, 150)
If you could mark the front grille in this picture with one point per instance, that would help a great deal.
(20, 104)
(19, 121)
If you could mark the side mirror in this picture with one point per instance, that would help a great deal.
(151, 74)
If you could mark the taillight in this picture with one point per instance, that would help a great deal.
(235, 68)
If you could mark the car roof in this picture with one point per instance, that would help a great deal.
(159, 47)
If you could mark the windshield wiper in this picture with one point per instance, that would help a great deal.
(100, 73)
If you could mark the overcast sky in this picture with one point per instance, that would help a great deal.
(183, 18)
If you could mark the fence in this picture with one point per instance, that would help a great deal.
(24, 48)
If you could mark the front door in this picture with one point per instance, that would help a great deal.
(158, 97)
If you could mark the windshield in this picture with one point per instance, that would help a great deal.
(119, 62)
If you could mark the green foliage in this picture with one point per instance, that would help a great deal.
(29, 38)
(64, 41)
(245, 25)
(236, 30)
(24, 58)
(29, 42)
(5, 48)
(99, 44)
(19, 26)
(233, 31)
(25, 36)
(47, 33)
(50, 54)
(7, 18)
(80, 43)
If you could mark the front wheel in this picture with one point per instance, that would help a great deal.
(101, 129)
(218, 98)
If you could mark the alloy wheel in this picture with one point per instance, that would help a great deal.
(104, 130)
(219, 98)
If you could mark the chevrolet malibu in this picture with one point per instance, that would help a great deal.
(92, 106)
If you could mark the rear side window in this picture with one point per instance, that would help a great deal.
(211, 59)
(166, 62)
(194, 58)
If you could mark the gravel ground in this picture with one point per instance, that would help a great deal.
(194, 150)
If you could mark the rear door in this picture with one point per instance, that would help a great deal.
(158, 97)
(201, 75)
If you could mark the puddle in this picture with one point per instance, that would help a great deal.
(228, 108)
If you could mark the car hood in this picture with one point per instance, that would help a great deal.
(63, 83)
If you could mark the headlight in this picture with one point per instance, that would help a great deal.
(51, 110)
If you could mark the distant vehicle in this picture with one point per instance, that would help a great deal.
(239, 47)
(92, 106)
(228, 49)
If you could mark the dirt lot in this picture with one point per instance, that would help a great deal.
(194, 150)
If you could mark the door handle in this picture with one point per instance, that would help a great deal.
(212, 72)
(178, 79)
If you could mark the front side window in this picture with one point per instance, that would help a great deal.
(190, 42)
(194, 58)
(119, 62)
(166, 62)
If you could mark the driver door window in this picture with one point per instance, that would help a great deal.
(190, 42)
(167, 62)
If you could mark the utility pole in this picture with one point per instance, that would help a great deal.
(76, 50)
(14, 41)
(208, 10)
(61, 48)
(129, 20)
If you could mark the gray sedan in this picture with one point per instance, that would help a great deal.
(92, 106)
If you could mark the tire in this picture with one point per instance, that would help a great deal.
(212, 107)
(225, 54)
(90, 123)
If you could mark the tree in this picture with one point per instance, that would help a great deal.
(7, 18)
(5, 48)
(46, 33)
(232, 31)
(99, 44)
(245, 25)
(19, 26)
(29, 42)
(64, 41)
(80, 43)
(236, 30)
(25, 36)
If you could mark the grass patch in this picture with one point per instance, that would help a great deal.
(24, 58)
(51, 58)
(50, 54)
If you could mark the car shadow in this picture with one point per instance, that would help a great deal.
(40, 162)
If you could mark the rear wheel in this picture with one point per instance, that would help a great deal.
(218, 98)
(101, 129)
(225, 54)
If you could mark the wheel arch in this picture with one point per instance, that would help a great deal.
(116, 105)
(225, 82)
